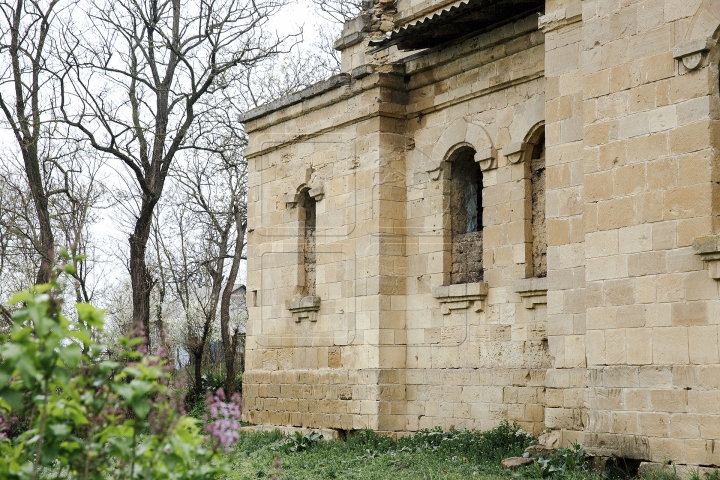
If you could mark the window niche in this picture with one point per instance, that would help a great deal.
(308, 303)
(308, 220)
(533, 289)
(466, 218)
(537, 208)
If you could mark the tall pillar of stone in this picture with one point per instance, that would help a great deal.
(565, 380)
(336, 359)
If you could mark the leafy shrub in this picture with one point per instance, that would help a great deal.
(505, 440)
(563, 460)
(90, 417)
(364, 441)
(299, 442)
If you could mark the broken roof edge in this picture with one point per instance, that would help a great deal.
(314, 90)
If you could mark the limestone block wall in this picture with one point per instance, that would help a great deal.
(650, 187)
(327, 365)
(473, 368)
(565, 220)
(617, 348)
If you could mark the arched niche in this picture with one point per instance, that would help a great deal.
(463, 134)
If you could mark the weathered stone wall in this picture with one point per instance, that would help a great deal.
(650, 140)
(616, 346)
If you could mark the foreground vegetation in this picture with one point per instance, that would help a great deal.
(433, 454)
(73, 407)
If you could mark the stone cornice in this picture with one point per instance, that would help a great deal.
(560, 18)
(708, 248)
(461, 296)
(284, 102)
(304, 307)
(533, 291)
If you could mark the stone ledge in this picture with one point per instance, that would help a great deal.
(461, 296)
(514, 151)
(353, 31)
(304, 307)
(312, 91)
(708, 248)
(560, 18)
(533, 291)
(691, 53)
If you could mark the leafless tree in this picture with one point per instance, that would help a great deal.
(27, 29)
(71, 214)
(340, 11)
(142, 92)
(199, 238)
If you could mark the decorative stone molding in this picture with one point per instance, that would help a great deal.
(487, 158)
(463, 133)
(560, 18)
(692, 53)
(317, 193)
(461, 296)
(514, 152)
(292, 199)
(533, 291)
(304, 307)
(709, 250)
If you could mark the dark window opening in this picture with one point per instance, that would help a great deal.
(539, 230)
(308, 237)
(466, 220)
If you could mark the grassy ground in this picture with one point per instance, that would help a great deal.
(426, 455)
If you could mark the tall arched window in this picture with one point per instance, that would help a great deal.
(308, 219)
(537, 187)
(466, 218)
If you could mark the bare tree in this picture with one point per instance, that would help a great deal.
(340, 11)
(143, 92)
(205, 222)
(26, 90)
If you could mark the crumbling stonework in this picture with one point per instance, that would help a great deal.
(617, 347)
(309, 244)
(539, 228)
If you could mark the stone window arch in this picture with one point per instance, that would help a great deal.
(532, 153)
(465, 215)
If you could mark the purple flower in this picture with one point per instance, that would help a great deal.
(224, 417)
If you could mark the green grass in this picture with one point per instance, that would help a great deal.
(427, 455)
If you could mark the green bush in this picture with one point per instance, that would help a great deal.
(505, 440)
(90, 417)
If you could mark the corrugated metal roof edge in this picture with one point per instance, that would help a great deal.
(421, 22)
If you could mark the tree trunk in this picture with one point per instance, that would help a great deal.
(230, 344)
(139, 274)
(197, 388)
(40, 200)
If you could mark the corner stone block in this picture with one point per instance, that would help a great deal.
(708, 248)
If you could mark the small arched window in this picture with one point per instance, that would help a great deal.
(538, 228)
(466, 220)
(308, 220)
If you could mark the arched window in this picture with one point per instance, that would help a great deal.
(466, 218)
(307, 217)
(537, 221)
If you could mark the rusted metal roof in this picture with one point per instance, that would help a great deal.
(457, 21)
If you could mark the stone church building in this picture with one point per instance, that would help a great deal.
(500, 209)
